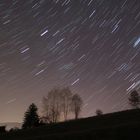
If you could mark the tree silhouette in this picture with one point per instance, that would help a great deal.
(31, 118)
(76, 105)
(66, 96)
(134, 99)
(59, 103)
(52, 105)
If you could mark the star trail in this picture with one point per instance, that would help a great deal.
(92, 46)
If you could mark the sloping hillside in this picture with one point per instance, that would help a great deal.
(114, 126)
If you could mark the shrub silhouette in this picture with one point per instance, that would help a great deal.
(99, 112)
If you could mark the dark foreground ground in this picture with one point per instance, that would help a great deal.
(123, 125)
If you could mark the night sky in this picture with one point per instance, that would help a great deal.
(92, 46)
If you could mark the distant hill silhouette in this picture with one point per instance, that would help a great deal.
(122, 125)
(10, 125)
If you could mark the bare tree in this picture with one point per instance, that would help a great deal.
(46, 111)
(66, 96)
(52, 105)
(99, 112)
(76, 105)
(134, 99)
(61, 102)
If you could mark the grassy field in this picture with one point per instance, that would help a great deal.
(115, 126)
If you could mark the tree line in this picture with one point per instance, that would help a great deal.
(60, 104)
